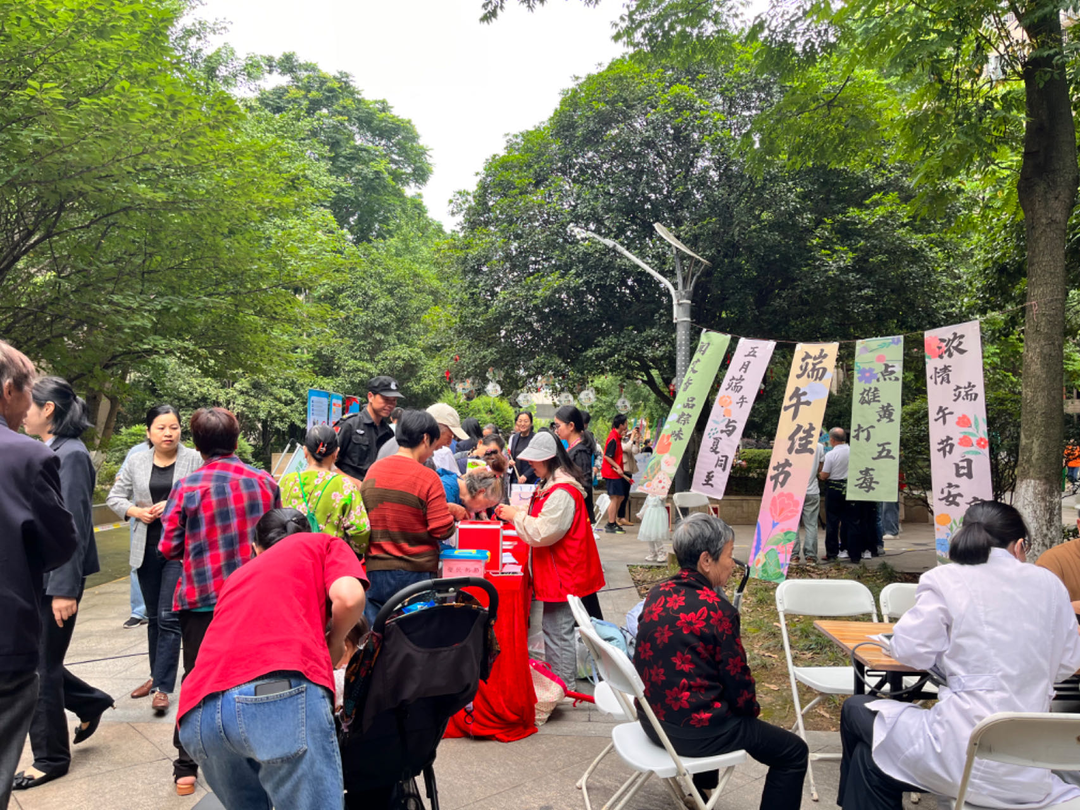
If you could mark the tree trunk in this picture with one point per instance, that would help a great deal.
(1047, 194)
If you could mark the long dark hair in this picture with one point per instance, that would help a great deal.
(562, 461)
(570, 415)
(987, 525)
(70, 417)
(155, 412)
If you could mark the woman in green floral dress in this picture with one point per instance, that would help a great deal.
(331, 500)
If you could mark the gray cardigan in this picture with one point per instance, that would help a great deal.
(132, 488)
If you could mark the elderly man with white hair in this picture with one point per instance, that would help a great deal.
(691, 660)
(36, 535)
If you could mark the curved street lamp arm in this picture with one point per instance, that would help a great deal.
(581, 233)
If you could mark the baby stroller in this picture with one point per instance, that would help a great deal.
(429, 648)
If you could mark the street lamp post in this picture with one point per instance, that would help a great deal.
(681, 292)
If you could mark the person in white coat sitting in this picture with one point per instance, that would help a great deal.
(1002, 633)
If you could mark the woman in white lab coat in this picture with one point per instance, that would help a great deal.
(1002, 633)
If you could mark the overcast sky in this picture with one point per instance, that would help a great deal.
(463, 84)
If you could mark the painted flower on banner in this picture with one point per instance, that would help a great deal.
(867, 374)
(964, 421)
(724, 401)
(784, 506)
(973, 437)
(982, 443)
(965, 441)
(933, 347)
(896, 341)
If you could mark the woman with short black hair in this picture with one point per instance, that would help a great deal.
(406, 506)
(59, 418)
(1002, 634)
(141, 491)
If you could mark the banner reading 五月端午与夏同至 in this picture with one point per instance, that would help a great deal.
(874, 464)
(728, 417)
(959, 445)
(690, 401)
(792, 459)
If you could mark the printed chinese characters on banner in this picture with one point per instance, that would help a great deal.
(959, 446)
(728, 417)
(689, 403)
(874, 465)
(792, 459)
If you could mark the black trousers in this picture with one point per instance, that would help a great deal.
(862, 532)
(836, 528)
(59, 690)
(193, 627)
(157, 581)
(18, 697)
(863, 785)
(784, 753)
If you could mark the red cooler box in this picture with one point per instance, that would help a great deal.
(483, 535)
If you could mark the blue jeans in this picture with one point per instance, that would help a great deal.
(268, 751)
(889, 518)
(384, 584)
(138, 607)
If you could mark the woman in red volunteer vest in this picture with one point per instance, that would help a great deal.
(564, 556)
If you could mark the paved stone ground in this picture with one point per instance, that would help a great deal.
(126, 765)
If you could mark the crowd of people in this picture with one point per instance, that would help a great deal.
(212, 537)
(378, 502)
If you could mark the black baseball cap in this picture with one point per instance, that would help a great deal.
(384, 386)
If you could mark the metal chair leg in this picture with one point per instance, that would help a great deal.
(582, 782)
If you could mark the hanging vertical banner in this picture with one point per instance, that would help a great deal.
(959, 447)
(874, 465)
(792, 459)
(728, 418)
(689, 403)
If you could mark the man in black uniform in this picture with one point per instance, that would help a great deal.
(360, 435)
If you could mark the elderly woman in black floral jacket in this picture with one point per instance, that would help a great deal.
(692, 661)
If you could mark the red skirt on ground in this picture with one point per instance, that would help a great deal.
(505, 705)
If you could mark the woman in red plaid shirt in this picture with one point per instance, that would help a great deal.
(208, 523)
(697, 681)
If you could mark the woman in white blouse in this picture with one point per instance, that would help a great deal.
(1002, 633)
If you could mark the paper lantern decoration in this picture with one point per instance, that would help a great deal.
(623, 405)
(524, 399)
(587, 397)
(493, 389)
(566, 398)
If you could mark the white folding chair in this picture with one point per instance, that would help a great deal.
(685, 501)
(607, 699)
(822, 597)
(639, 752)
(1035, 740)
(896, 599)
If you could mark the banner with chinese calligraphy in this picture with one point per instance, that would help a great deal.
(792, 459)
(689, 403)
(959, 447)
(728, 417)
(874, 465)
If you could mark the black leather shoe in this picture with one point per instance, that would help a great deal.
(82, 734)
(25, 782)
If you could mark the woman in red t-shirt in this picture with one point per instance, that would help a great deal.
(564, 556)
(256, 712)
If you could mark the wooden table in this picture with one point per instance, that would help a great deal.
(847, 635)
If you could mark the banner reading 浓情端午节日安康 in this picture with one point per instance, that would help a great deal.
(792, 459)
(874, 464)
(959, 445)
(728, 417)
(689, 402)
